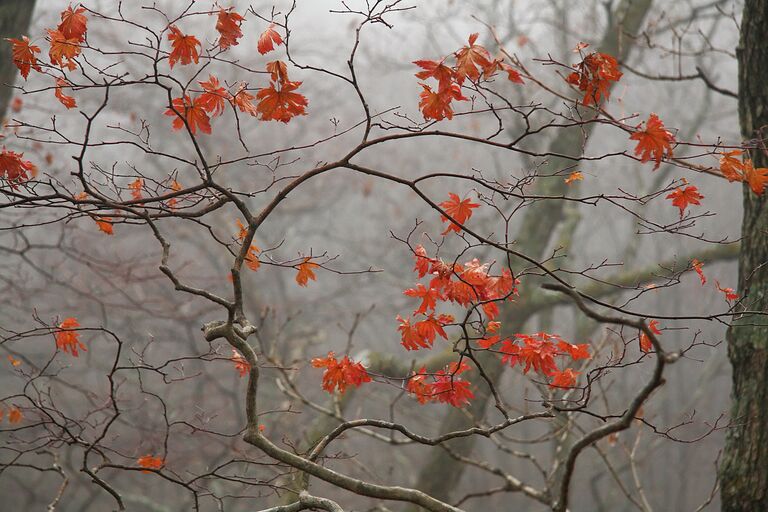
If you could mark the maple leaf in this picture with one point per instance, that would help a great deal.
(67, 101)
(428, 297)
(459, 211)
(278, 71)
(574, 176)
(730, 166)
(730, 293)
(176, 187)
(594, 75)
(242, 230)
(228, 25)
(340, 374)
(73, 24)
(449, 388)
(437, 105)
(252, 258)
(243, 100)
(214, 98)
(63, 51)
(757, 178)
(410, 337)
(646, 345)
(422, 261)
(67, 338)
(488, 342)
(432, 327)
(697, 266)
(538, 352)
(494, 326)
(437, 70)
(194, 113)
(242, 366)
(306, 272)
(135, 187)
(267, 38)
(14, 169)
(564, 379)
(23, 54)
(469, 58)
(283, 104)
(14, 415)
(150, 462)
(184, 47)
(576, 352)
(682, 197)
(653, 143)
(104, 224)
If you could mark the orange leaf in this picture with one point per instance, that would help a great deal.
(469, 58)
(136, 186)
(73, 24)
(340, 374)
(150, 462)
(281, 105)
(242, 366)
(267, 38)
(682, 197)
(278, 71)
(437, 105)
(653, 143)
(731, 167)
(306, 272)
(175, 186)
(252, 258)
(184, 47)
(194, 112)
(243, 100)
(13, 360)
(697, 265)
(67, 101)
(594, 75)
(63, 51)
(228, 26)
(14, 169)
(23, 52)
(105, 224)
(214, 97)
(730, 293)
(564, 379)
(574, 176)
(459, 211)
(67, 338)
(757, 178)
(14, 415)
(437, 70)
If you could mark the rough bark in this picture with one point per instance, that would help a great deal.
(15, 16)
(441, 474)
(744, 469)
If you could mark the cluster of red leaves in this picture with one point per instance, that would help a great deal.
(538, 351)
(67, 337)
(645, 341)
(242, 366)
(228, 26)
(594, 75)
(729, 293)
(340, 374)
(736, 170)
(150, 462)
(459, 210)
(14, 169)
(14, 414)
(465, 285)
(470, 62)
(683, 197)
(445, 387)
(654, 142)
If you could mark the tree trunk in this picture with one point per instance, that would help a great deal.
(441, 473)
(15, 16)
(744, 470)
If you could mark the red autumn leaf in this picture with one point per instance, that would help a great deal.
(14, 362)
(447, 387)
(437, 105)
(437, 70)
(104, 224)
(469, 58)
(697, 266)
(136, 187)
(283, 104)
(184, 47)
(68, 339)
(243, 100)
(732, 167)
(23, 53)
(193, 111)
(756, 178)
(594, 75)
(682, 197)
(268, 39)
(653, 143)
(646, 345)
(278, 71)
(730, 293)
(306, 272)
(576, 352)
(538, 352)
(73, 24)
(422, 261)
(63, 51)
(14, 415)
(228, 25)
(458, 210)
(67, 101)
(17, 104)
(252, 258)
(564, 379)
(242, 366)
(214, 98)
(14, 169)
(176, 187)
(340, 374)
(428, 297)
(488, 342)
(150, 462)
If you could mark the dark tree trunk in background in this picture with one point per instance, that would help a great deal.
(744, 469)
(15, 16)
